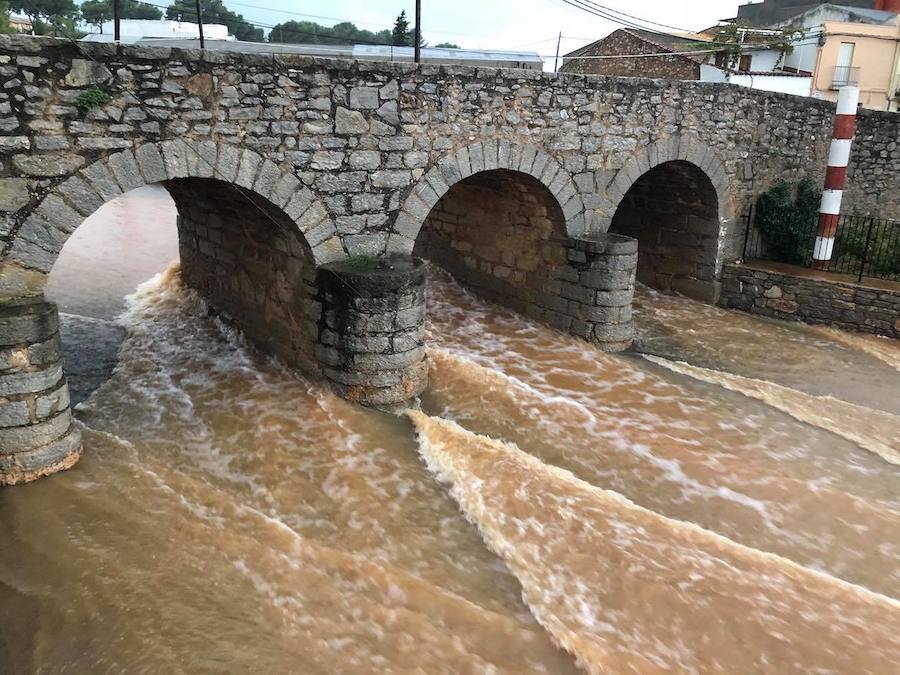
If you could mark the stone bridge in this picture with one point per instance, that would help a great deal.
(307, 189)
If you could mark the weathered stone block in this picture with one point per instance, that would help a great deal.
(350, 122)
(29, 465)
(47, 165)
(28, 323)
(13, 194)
(364, 98)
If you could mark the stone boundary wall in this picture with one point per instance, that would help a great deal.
(37, 433)
(812, 299)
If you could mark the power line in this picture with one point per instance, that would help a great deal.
(632, 16)
(597, 11)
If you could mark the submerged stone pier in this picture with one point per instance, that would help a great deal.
(37, 433)
(372, 337)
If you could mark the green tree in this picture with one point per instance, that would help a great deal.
(731, 39)
(46, 9)
(447, 45)
(98, 12)
(4, 17)
(309, 32)
(214, 11)
(50, 17)
(400, 36)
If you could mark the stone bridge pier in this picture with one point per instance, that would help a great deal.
(309, 190)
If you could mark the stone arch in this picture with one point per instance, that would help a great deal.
(251, 235)
(676, 148)
(674, 198)
(476, 158)
(38, 241)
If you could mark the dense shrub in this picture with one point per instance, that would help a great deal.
(787, 216)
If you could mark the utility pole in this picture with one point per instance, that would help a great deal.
(556, 60)
(116, 19)
(417, 50)
(200, 24)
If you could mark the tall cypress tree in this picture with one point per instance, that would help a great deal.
(400, 35)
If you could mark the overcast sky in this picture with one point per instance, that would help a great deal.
(493, 24)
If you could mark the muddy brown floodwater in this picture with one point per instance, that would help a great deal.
(727, 501)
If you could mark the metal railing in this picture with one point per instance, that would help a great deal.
(864, 246)
(844, 76)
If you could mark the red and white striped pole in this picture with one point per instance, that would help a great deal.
(836, 174)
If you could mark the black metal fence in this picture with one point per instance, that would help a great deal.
(864, 246)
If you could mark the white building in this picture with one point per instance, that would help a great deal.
(793, 73)
(132, 30)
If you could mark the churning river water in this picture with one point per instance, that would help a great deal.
(728, 500)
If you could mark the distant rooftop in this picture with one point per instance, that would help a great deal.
(876, 15)
(774, 11)
(665, 42)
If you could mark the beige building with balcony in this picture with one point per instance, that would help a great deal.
(862, 54)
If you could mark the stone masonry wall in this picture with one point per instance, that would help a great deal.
(498, 232)
(250, 263)
(359, 137)
(782, 295)
(672, 212)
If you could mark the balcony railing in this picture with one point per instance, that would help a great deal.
(844, 76)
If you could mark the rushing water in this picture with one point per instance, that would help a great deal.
(729, 501)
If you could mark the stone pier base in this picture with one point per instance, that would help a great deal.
(37, 434)
(599, 282)
(371, 344)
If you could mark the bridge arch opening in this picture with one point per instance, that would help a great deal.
(242, 254)
(499, 232)
(673, 212)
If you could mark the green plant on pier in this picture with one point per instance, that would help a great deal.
(359, 263)
(95, 97)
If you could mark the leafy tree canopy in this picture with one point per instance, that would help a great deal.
(98, 12)
(447, 45)
(50, 17)
(309, 32)
(214, 11)
(344, 33)
(46, 9)
(733, 37)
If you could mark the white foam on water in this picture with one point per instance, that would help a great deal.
(874, 430)
(880, 346)
(626, 589)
